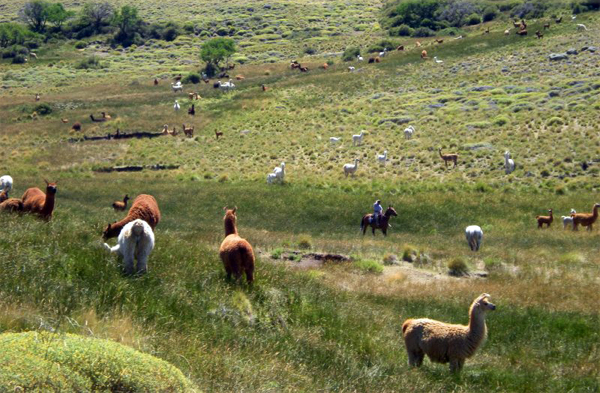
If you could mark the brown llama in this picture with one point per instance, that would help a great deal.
(64, 120)
(371, 60)
(155, 82)
(541, 220)
(36, 202)
(303, 69)
(295, 65)
(448, 157)
(539, 35)
(76, 127)
(106, 116)
(100, 120)
(521, 32)
(121, 205)
(144, 207)
(192, 110)
(585, 219)
(546, 25)
(3, 195)
(12, 205)
(188, 131)
(424, 54)
(325, 66)
(239, 77)
(377, 59)
(218, 134)
(400, 48)
(264, 88)
(235, 252)
(439, 41)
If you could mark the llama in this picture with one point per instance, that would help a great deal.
(541, 220)
(176, 87)
(586, 219)
(12, 205)
(239, 77)
(144, 207)
(400, 48)
(359, 58)
(121, 205)
(351, 168)
(581, 26)
(64, 120)
(539, 35)
(76, 127)
(227, 86)
(448, 157)
(3, 195)
(509, 164)
(447, 343)
(474, 236)
(135, 241)
(382, 158)
(357, 139)
(155, 82)
(439, 41)
(304, 69)
(188, 131)
(271, 178)
(192, 111)
(280, 172)
(438, 61)
(176, 106)
(408, 132)
(218, 134)
(424, 54)
(6, 184)
(235, 252)
(36, 202)
(95, 120)
(351, 69)
(106, 116)
(521, 32)
(568, 220)
(334, 140)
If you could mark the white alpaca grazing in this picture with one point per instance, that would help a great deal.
(334, 140)
(176, 106)
(408, 132)
(382, 158)
(359, 58)
(437, 60)
(474, 237)
(271, 178)
(568, 220)
(357, 139)
(509, 164)
(6, 184)
(351, 168)
(227, 86)
(177, 87)
(351, 69)
(135, 241)
(581, 26)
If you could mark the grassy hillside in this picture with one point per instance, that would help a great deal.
(304, 326)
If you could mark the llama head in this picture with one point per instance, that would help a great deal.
(483, 304)
(50, 187)
(111, 231)
(126, 198)
(230, 214)
(573, 211)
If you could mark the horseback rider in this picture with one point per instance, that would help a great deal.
(377, 210)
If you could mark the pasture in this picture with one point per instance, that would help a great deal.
(303, 325)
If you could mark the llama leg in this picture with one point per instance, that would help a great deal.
(249, 274)
(235, 264)
(456, 365)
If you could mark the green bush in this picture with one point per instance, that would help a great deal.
(41, 361)
(473, 19)
(14, 51)
(193, 78)
(423, 32)
(80, 44)
(409, 254)
(369, 266)
(490, 13)
(555, 121)
(42, 109)
(19, 59)
(350, 54)
(310, 51)
(90, 63)
(500, 121)
(401, 31)
(458, 266)
(304, 242)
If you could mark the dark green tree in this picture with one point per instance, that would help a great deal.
(97, 14)
(35, 14)
(215, 51)
(57, 14)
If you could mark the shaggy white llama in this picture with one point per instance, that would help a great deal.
(509, 164)
(568, 220)
(357, 139)
(408, 132)
(6, 183)
(135, 241)
(474, 236)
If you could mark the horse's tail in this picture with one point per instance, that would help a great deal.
(362, 223)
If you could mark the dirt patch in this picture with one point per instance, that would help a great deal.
(312, 260)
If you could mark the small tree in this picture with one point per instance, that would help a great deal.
(57, 14)
(97, 14)
(128, 22)
(215, 51)
(35, 14)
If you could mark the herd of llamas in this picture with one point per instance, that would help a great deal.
(441, 342)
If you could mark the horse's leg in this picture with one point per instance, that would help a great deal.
(373, 228)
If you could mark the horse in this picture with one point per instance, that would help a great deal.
(383, 221)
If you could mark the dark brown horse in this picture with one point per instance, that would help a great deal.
(383, 221)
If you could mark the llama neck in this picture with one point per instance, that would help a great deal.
(48, 204)
(441, 155)
(476, 330)
(595, 211)
(230, 228)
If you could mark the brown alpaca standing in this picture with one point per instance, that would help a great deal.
(36, 202)
(218, 134)
(188, 131)
(448, 157)
(144, 207)
(545, 220)
(235, 252)
(121, 206)
(585, 219)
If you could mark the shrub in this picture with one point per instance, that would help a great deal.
(89, 63)
(458, 12)
(390, 259)
(19, 59)
(369, 266)
(15, 50)
(473, 19)
(192, 78)
(409, 254)
(350, 54)
(310, 51)
(413, 12)
(43, 109)
(490, 13)
(80, 44)
(529, 10)
(402, 31)
(304, 242)
(276, 253)
(500, 121)
(423, 32)
(458, 267)
(44, 361)
(555, 121)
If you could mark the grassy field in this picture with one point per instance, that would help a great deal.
(331, 327)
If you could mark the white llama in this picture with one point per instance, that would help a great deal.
(135, 241)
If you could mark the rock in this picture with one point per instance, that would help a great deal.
(396, 120)
(558, 56)
(479, 146)
(481, 88)
(436, 106)
(554, 93)
(572, 51)
(480, 273)
(377, 96)
(591, 49)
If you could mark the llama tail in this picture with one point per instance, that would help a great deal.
(111, 249)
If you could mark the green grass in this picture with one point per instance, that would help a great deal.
(335, 327)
